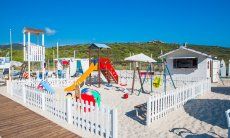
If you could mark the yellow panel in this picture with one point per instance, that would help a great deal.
(72, 87)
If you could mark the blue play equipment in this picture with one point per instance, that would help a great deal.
(61, 73)
(39, 75)
(47, 87)
(79, 67)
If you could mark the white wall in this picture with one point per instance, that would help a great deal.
(215, 70)
(201, 71)
(222, 68)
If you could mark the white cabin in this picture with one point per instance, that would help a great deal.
(188, 62)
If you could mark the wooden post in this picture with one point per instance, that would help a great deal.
(139, 74)
(151, 76)
(43, 57)
(29, 54)
(134, 74)
(90, 77)
(164, 76)
(99, 70)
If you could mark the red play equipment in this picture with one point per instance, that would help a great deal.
(104, 64)
(108, 70)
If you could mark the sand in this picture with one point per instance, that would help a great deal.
(203, 117)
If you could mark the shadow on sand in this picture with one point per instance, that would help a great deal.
(211, 111)
(221, 90)
(185, 133)
(141, 110)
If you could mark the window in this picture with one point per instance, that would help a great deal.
(185, 63)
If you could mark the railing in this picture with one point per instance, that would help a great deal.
(34, 53)
(101, 120)
(158, 107)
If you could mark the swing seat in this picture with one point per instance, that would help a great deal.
(157, 82)
(123, 84)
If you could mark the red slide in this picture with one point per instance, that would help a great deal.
(108, 70)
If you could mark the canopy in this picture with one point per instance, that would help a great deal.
(140, 58)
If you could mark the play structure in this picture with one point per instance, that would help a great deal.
(155, 81)
(102, 65)
(43, 85)
(33, 52)
(62, 67)
(70, 67)
(78, 66)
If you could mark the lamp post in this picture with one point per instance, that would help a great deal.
(11, 57)
(11, 47)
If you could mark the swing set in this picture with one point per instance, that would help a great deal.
(136, 60)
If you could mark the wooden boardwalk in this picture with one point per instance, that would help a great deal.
(18, 121)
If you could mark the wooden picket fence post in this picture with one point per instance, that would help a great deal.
(43, 101)
(69, 110)
(24, 93)
(148, 119)
(114, 123)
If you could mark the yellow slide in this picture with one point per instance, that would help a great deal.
(72, 87)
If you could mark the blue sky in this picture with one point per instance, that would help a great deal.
(87, 21)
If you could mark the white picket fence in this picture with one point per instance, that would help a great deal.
(52, 81)
(100, 121)
(160, 106)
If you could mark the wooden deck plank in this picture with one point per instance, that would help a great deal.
(18, 121)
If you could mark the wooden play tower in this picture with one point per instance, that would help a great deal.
(104, 65)
(34, 52)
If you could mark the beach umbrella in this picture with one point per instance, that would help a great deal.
(140, 58)
(91, 95)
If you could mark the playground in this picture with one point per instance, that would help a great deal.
(91, 96)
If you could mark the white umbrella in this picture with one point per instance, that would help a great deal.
(140, 58)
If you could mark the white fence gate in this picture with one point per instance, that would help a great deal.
(101, 120)
(158, 107)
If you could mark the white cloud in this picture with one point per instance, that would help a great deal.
(50, 31)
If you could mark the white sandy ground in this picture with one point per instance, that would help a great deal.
(203, 117)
